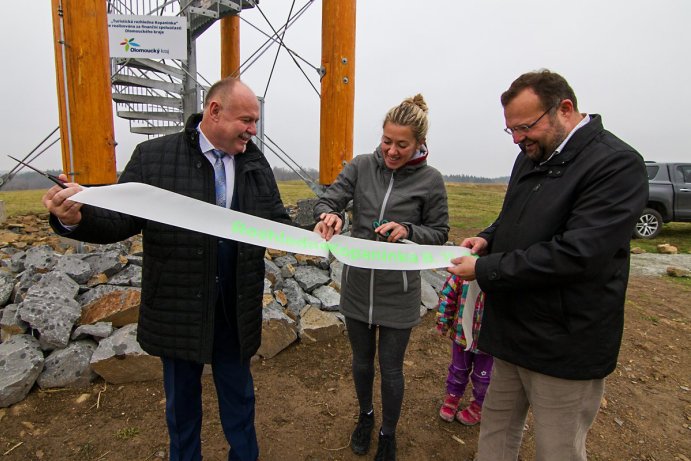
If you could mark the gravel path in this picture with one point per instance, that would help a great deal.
(647, 264)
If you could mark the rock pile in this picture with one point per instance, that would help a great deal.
(68, 311)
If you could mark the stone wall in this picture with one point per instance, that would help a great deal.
(68, 311)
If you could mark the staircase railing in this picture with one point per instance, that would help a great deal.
(156, 95)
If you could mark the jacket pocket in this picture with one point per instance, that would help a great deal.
(151, 277)
(551, 312)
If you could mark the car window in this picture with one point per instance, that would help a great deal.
(684, 173)
(652, 171)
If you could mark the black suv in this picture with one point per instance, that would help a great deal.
(669, 198)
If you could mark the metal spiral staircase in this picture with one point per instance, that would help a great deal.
(157, 96)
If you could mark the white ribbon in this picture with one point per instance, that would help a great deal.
(155, 204)
(469, 312)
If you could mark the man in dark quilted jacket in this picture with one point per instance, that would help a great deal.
(201, 295)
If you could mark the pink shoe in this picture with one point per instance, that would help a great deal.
(449, 407)
(470, 415)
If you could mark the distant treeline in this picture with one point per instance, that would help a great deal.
(28, 181)
(284, 174)
(474, 179)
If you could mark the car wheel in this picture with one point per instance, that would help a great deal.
(648, 225)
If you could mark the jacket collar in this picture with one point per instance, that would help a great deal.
(408, 167)
(580, 139)
(251, 152)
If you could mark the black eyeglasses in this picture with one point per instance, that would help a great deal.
(523, 129)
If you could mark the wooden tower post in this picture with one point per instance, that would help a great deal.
(338, 88)
(82, 66)
(230, 46)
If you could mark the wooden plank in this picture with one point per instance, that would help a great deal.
(337, 88)
(85, 104)
(230, 46)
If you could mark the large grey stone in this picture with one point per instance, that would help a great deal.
(287, 259)
(304, 216)
(98, 331)
(119, 307)
(6, 287)
(79, 270)
(135, 260)
(120, 359)
(316, 261)
(335, 273)
(50, 308)
(295, 297)
(69, 367)
(16, 262)
(110, 262)
(122, 247)
(57, 283)
(26, 280)
(288, 271)
(267, 286)
(10, 322)
(313, 300)
(21, 361)
(129, 276)
(53, 316)
(95, 293)
(273, 273)
(278, 332)
(310, 277)
(42, 258)
(318, 326)
(329, 297)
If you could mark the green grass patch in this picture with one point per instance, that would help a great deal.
(292, 191)
(127, 433)
(682, 281)
(674, 233)
(474, 206)
(23, 202)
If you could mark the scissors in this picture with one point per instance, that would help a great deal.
(377, 223)
(53, 178)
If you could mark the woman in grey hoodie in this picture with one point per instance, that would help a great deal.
(396, 196)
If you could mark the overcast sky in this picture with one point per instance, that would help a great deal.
(627, 60)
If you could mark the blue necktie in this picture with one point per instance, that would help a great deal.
(220, 178)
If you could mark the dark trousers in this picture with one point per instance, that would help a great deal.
(235, 391)
(392, 346)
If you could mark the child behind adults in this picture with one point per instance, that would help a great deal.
(467, 363)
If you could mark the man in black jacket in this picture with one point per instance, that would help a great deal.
(201, 296)
(554, 267)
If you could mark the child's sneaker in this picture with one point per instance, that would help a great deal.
(470, 415)
(449, 407)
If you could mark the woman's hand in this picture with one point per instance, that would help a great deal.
(393, 231)
(329, 225)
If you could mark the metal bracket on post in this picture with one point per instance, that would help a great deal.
(203, 12)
